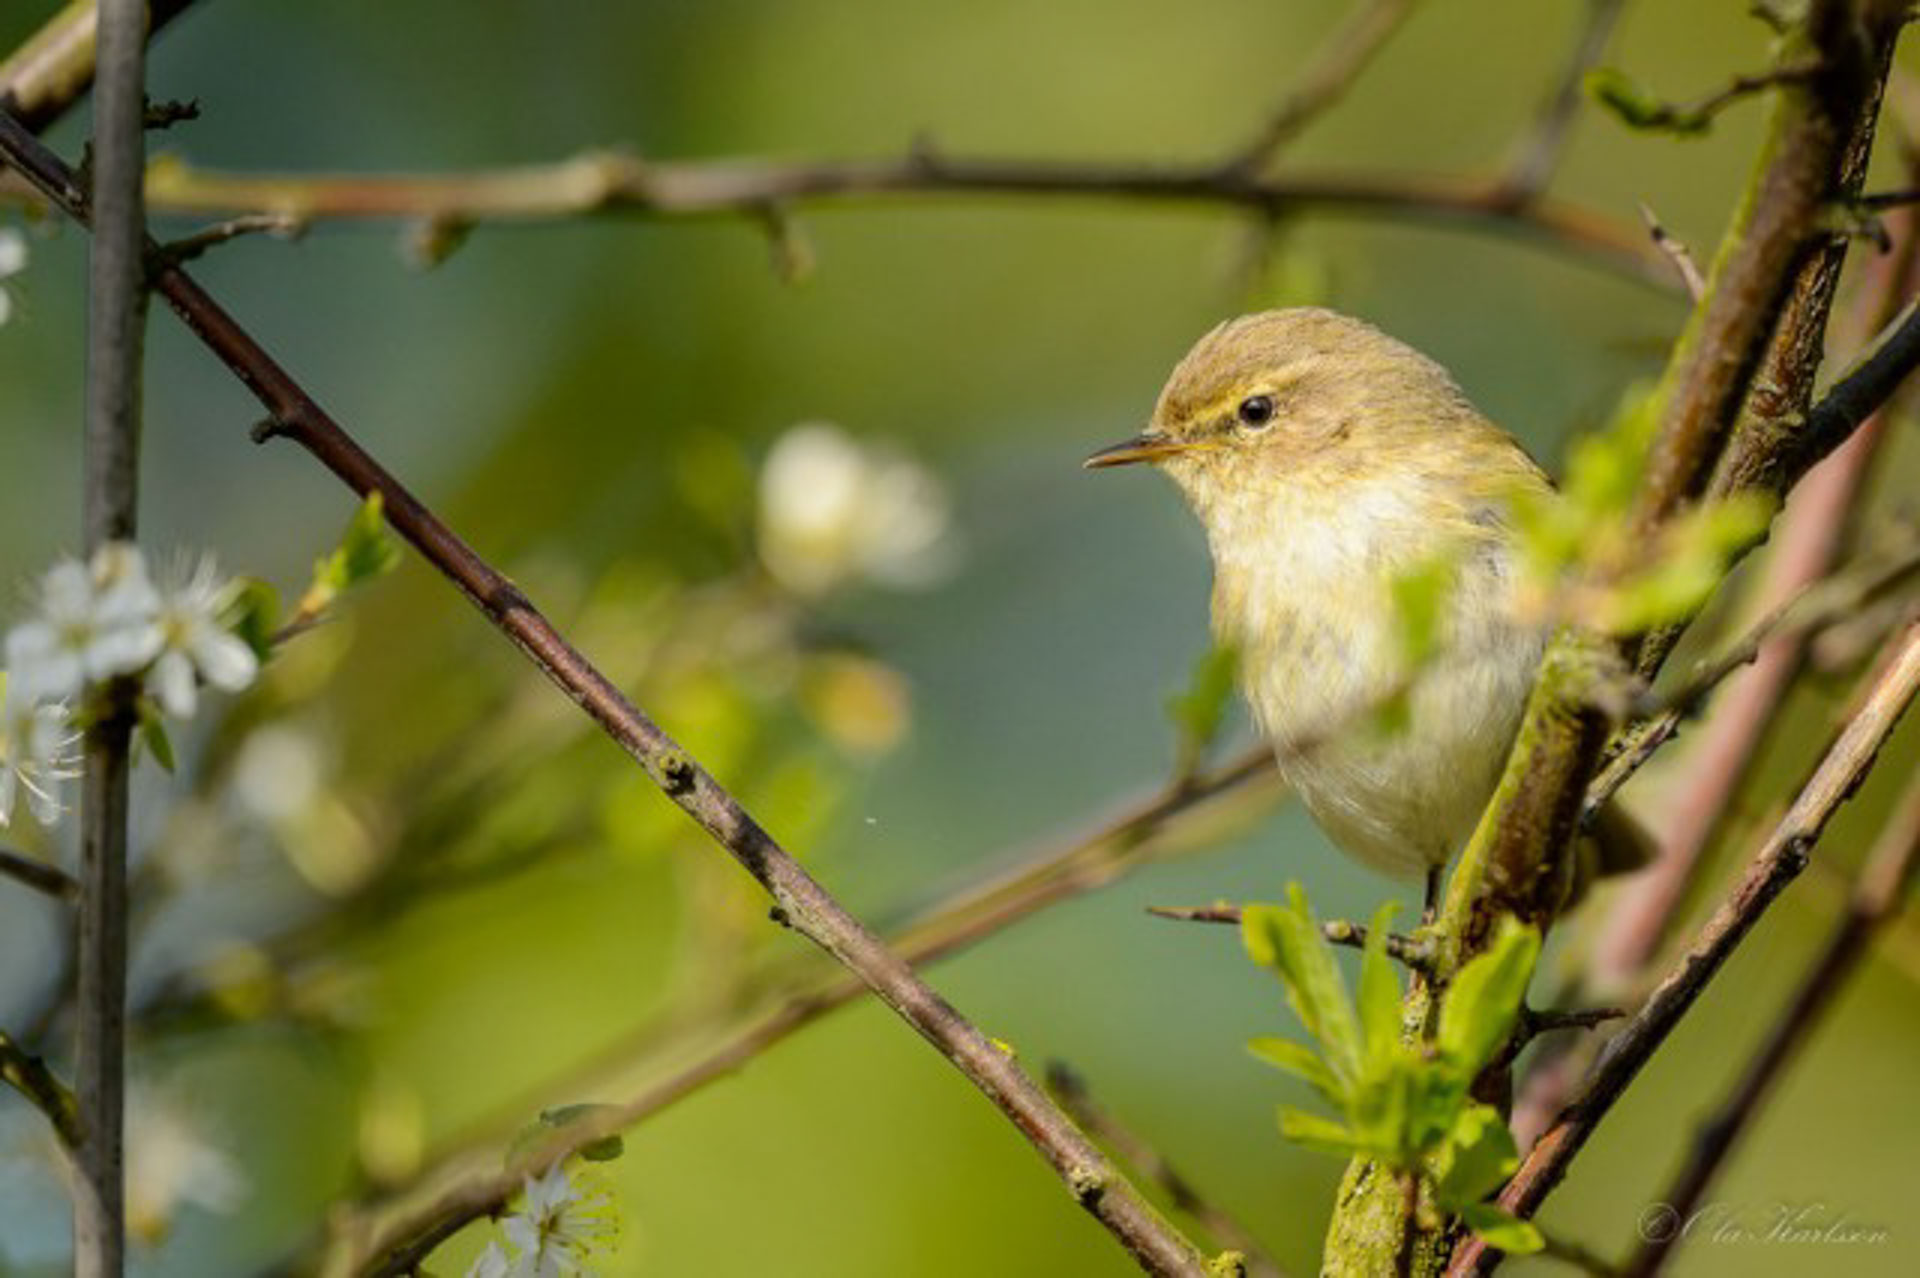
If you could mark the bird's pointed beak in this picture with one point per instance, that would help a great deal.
(1147, 446)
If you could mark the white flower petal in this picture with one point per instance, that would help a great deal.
(491, 1263)
(13, 251)
(226, 661)
(123, 649)
(171, 680)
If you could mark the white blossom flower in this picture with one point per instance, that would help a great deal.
(832, 510)
(13, 260)
(193, 642)
(557, 1225)
(172, 1162)
(491, 1263)
(96, 621)
(36, 754)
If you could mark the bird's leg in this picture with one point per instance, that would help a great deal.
(1432, 908)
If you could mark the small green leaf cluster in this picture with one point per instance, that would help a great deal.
(366, 551)
(1637, 107)
(1580, 559)
(1199, 710)
(1403, 1100)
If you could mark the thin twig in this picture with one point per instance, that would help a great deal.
(1696, 116)
(189, 247)
(799, 900)
(616, 184)
(1778, 861)
(1880, 890)
(1148, 1163)
(1335, 67)
(1535, 1022)
(1410, 951)
(28, 1074)
(116, 322)
(1539, 152)
(39, 875)
(1676, 252)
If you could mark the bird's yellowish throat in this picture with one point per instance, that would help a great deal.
(1328, 460)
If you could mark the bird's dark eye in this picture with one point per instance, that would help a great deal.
(1256, 410)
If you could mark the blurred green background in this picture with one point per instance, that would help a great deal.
(400, 884)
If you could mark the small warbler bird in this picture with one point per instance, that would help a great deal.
(1327, 460)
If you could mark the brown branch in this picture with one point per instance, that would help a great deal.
(799, 901)
(1778, 861)
(39, 875)
(45, 76)
(1334, 69)
(1880, 890)
(614, 183)
(1539, 152)
(1148, 1163)
(1780, 274)
(28, 1074)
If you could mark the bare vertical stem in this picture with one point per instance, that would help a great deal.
(116, 312)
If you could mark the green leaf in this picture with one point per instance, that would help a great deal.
(1476, 1160)
(1501, 1229)
(1318, 1133)
(533, 1136)
(1380, 992)
(153, 734)
(1200, 709)
(1299, 1060)
(253, 613)
(1383, 1109)
(366, 550)
(1638, 108)
(1422, 596)
(1286, 937)
(1697, 549)
(1481, 1004)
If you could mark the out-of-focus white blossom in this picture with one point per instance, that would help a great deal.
(37, 753)
(13, 260)
(834, 510)
(95, 621)
(171, 1163)
(491, 1263)
(558, 1225)
(194, 645)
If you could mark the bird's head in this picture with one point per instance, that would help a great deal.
(1289, 398)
